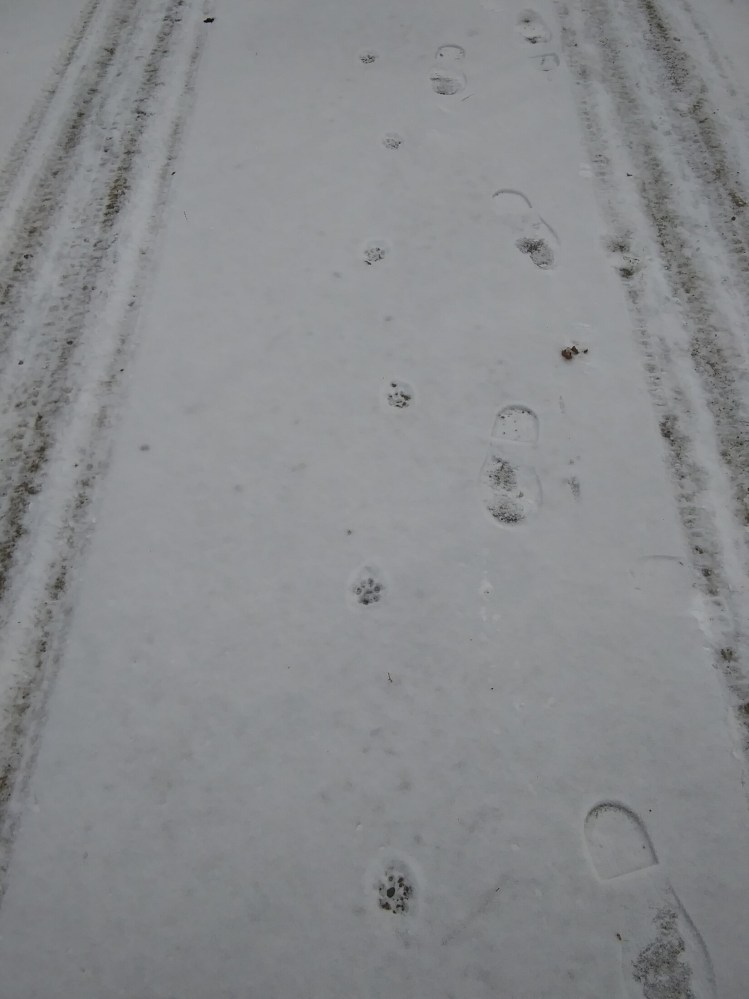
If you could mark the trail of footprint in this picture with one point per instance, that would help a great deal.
(518, 424)
(510, 490)
(533, 237)
(446, 77)
(531, 29)
(622, 256)
(546, 62)
(663, 955)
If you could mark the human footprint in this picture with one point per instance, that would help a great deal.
(510, 489)
(533, 237)
(663, 955)
(446, 77)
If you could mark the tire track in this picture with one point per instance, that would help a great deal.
(705, 139)
(44, 323)
(67, 317)
(16, 160)
(646, 111)
(49, 192)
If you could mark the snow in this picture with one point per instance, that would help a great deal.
(373, 589)
(29, 47)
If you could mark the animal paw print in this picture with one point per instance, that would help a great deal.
(399, 394)
(395, 891)
(375, 251)
(367, 586)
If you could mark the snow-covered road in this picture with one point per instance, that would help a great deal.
(373, 572)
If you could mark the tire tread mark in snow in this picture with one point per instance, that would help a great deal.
(714, 164)
(16, 159)
(47, 195)
(40, 396)
(717, 357)
(43, 404)
(711, 58)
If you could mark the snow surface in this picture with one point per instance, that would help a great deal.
(390, 668)
(30, 46)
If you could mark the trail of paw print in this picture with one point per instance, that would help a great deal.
(510, 489)
(531, 29)
(395, 891)
(399, 394)
(446, 78)
(368, 591)
(375, 251)
(367, 586)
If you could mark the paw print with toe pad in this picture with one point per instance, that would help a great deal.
(367, 586)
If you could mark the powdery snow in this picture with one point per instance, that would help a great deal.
(407, 654)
